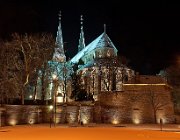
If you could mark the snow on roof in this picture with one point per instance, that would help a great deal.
(102, 41)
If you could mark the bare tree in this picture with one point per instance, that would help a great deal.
(112, 71)
(157, 100)
(24, 55)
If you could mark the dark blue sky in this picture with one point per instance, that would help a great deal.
(147, 33)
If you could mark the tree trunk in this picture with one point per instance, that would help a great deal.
(154, 114)
(22, 98)
(99, 84)
(42, 88)
(2, 98)
(35, 91)
(113, 81)
(64, 96)
(43, 92)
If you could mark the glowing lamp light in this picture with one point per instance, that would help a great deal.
(115, 121)
(30, 96)
(58, 120)
(31, 121)
(163, 120)
(51, 107)
(13, 122)
(84, 121)
(59, 99)
(136, 121)
(54, 76)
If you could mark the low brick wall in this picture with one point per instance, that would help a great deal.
(134, 107)
(31, 114)
(112, 107)
(22, 114)
(2, 116)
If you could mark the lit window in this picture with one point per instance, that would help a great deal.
(100, 54)
(108, 53)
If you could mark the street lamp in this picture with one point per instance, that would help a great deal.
(51, 108)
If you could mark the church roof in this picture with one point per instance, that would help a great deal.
(100, 42)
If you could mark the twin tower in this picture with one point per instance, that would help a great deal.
(59, 54)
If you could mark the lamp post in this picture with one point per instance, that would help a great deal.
(55, 82)
(51, 114)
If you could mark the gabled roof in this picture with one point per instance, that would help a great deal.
(102, 41)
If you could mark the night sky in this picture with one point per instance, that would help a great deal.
(147, 33)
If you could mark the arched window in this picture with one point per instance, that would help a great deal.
(108, 53)
(100, 53)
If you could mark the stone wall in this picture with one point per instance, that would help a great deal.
(31, 114)
(2, 116)
(135, 107)
(21, 114)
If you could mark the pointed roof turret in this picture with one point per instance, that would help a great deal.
(104, 28)
(59, 50)
(81, 38)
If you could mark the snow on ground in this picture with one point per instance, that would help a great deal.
(44, 132)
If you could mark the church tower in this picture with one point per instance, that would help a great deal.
(81, 38)
(59, 54)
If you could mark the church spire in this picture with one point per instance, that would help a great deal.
(104, 28)
(59, 50)
(81, 39)
(59, 37)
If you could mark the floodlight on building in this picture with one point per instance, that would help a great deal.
(115, 121)
(84, 121)
(13, 122)
(136, 121)
(31, 121)
(54, 76)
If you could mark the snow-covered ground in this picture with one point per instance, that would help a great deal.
(93, 132)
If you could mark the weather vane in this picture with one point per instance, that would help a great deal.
(59, 15)
(81, 19)
(104, 28)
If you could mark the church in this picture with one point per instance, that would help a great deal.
(100, 71)
(120, 95)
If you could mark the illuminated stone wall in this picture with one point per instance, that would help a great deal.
(133, 106)
(32, 114)
(72, 113)
(86, 114)
(17, 114)
(2, 116)
(130, 106)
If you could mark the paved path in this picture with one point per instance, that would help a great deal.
(89, 132)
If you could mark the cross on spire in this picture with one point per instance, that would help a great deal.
(59, 16)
